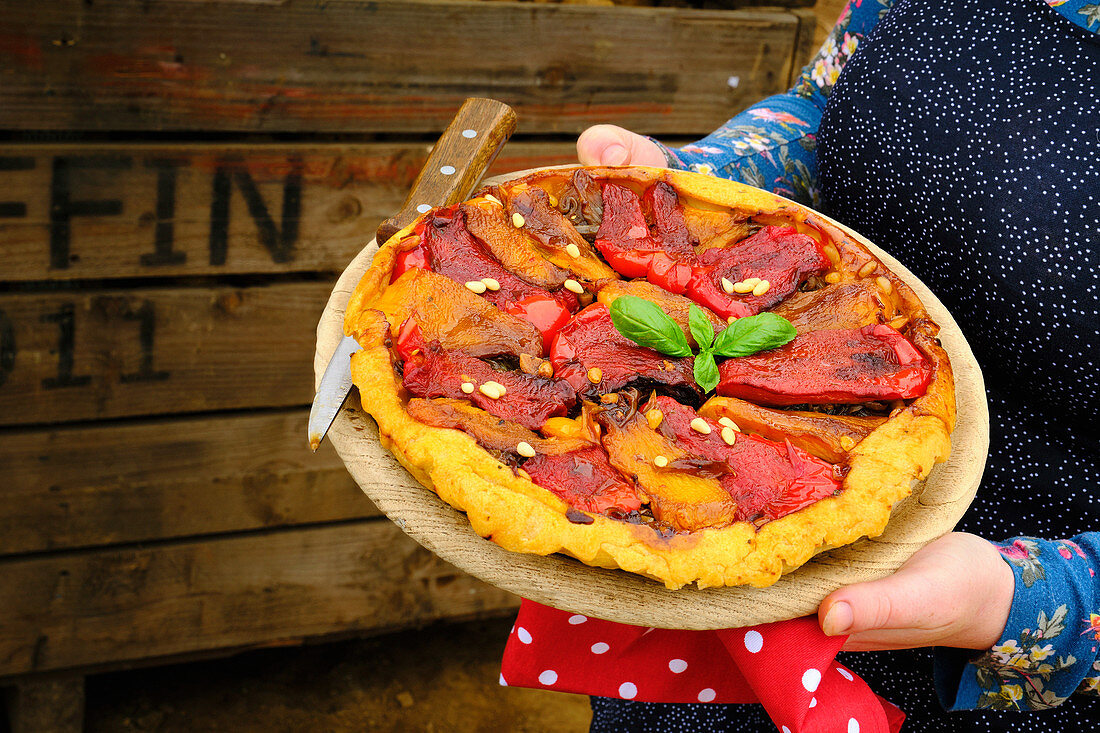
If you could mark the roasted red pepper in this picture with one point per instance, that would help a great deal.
(431, 371)
(410, 258)
(829, 367)
(781, 255)
(624, 237)
(455, 252)
(590, 341)
(767, 479)
(585, 480)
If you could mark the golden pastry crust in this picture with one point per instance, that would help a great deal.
(519, 515)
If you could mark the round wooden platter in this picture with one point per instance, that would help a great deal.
(560, 581)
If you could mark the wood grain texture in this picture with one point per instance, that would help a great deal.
(137, 481)
(54, 704)
(103, 607)
(93, 211)
(933, 509)
(359, 66)
(84, 355)
(457, 162)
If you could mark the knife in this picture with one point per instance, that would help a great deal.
(455, 165)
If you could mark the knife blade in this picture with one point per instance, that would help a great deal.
(455, 165)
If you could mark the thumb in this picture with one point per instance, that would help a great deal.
(612, 145)
(890, 603)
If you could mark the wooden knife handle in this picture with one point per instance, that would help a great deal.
(457, 161)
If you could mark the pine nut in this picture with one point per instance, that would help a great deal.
(574, 287)
(468, 387)
(490, 283)
(525, 449)
(884, 285)
(729, 424)
(660, 461)
(489, 391)
(476, 286)
(729, 436)
(867, 269)
(654, 418)
(498, 387)
(517, 220)
(700, 425)
(761, 287)
(573, 250)
(595, 374)
(727, 286)
(742, 287)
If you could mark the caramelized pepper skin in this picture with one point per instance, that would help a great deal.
(767, 479)
(830, 367)
(585, 480)
(666, 256)
(781, 255)
(431, 371)
(448, 248)
(590, 341)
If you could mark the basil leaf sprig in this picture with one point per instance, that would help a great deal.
(644, 323)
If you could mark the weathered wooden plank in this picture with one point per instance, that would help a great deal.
(84, 355)
(355, 66)
(133, 210)
(54, 704)
(75, 610)
(77, 486)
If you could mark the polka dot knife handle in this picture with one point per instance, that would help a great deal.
(457, 161)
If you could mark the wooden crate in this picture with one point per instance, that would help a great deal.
(180, 183)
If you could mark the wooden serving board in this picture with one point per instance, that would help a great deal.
(556, 580)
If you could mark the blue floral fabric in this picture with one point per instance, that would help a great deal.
(1049, 647)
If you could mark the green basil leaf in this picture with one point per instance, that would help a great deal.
(751, 334)
(701, 329)
(644, 323)
(706, 371)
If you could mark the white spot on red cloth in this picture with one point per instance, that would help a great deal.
(845, 674)
(628, 690)
(853, 725)
(548, 677)
(577, 618)
(502, 681)
(707, 695)
(676, 666)
(811, 678)
(600, 647)
(524, 635)
(813, 702)
(754, 642)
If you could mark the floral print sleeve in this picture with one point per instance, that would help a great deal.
(771, 144)
(1049, 647)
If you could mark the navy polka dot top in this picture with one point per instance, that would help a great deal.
(963, 137)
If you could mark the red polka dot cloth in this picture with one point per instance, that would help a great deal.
(789, 667)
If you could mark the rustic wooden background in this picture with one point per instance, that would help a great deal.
(180, 184)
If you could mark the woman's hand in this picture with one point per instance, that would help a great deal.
(956, 592)
(611, 145)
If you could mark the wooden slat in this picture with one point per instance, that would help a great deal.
(69, 487)
(86, 355)
(107, 606)
(358, 65)
(132, 210)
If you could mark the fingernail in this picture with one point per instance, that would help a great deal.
(615, 154)
(838, 619)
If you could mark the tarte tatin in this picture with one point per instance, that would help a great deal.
(639, 434)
